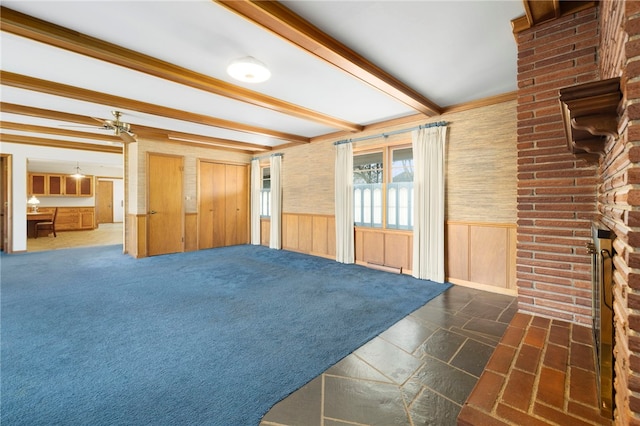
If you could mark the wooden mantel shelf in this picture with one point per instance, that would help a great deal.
(590, 113)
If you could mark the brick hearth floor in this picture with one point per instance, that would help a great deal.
(541, 373)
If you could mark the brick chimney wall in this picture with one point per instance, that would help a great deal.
(619, 198)
(556, 190)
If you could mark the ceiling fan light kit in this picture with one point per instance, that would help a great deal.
(248, 70)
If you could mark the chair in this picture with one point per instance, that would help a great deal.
(50, 226)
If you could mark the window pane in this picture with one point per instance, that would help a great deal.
(402, 165)
(391, 207)
(403, 207)
(266, 178)
(377, 206)
(399, 205)
(357, 205)
(265, 206)
(367, 168)
(366, 206)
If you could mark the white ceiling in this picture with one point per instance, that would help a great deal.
(450, 52)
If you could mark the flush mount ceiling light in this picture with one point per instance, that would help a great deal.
(249, 70)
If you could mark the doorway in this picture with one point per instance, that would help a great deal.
(5, 203)
(104, 203)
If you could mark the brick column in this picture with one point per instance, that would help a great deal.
(556, 190)
(619, 198)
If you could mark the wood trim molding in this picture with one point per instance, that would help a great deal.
(590, 115)
(280, 20)
(36, 29)
(52, 88)
(480, 103)
(540, 11)
(61, 132)
(46, 113)
(58, 143)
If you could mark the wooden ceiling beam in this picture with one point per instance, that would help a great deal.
(54, 35)
(57, 131)
(59, 143)
(281, 21)
(52, 88)
(10, 108)
(144, 131)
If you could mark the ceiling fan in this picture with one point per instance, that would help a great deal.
(119, 127)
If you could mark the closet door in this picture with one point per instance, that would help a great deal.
(242, 205)
(223, 213)
(237, 201)
(205, 205)
(219, 194)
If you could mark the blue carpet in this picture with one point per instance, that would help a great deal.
(214, 337)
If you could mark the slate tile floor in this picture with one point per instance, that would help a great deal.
(418, 372)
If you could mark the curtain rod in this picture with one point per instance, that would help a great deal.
(394, 132)
(277, 154)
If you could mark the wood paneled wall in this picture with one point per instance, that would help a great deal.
(137, 235)
(383, 247)
(481, 254)
(312, 234)
(190, 232)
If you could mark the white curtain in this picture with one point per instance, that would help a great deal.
(344, 203)
(428, 207)
(275, 236)
(256, 181)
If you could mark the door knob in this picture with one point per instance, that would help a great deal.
(153, 212)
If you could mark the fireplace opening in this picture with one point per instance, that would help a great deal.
(602, 313)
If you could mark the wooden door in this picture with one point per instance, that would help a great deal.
(205, 205)
(165, 216)
(240, 197)
(4, 204)
(223, 205)
(105, 201)
(212, 205)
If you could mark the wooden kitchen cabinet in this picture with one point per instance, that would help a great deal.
(54, 185)
(87, 218)
(37, 184)
(74, 218)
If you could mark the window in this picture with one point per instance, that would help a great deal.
(400, 190)
(265, 193)
(368, 179)
(377, 190)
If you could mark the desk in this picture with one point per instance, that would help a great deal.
(33, 218)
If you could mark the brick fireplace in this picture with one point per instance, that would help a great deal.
(560, 194)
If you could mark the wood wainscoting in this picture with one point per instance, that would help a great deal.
(309, 233)
(481, 255)
(136, 235)
(387, 248)
(191, 231)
